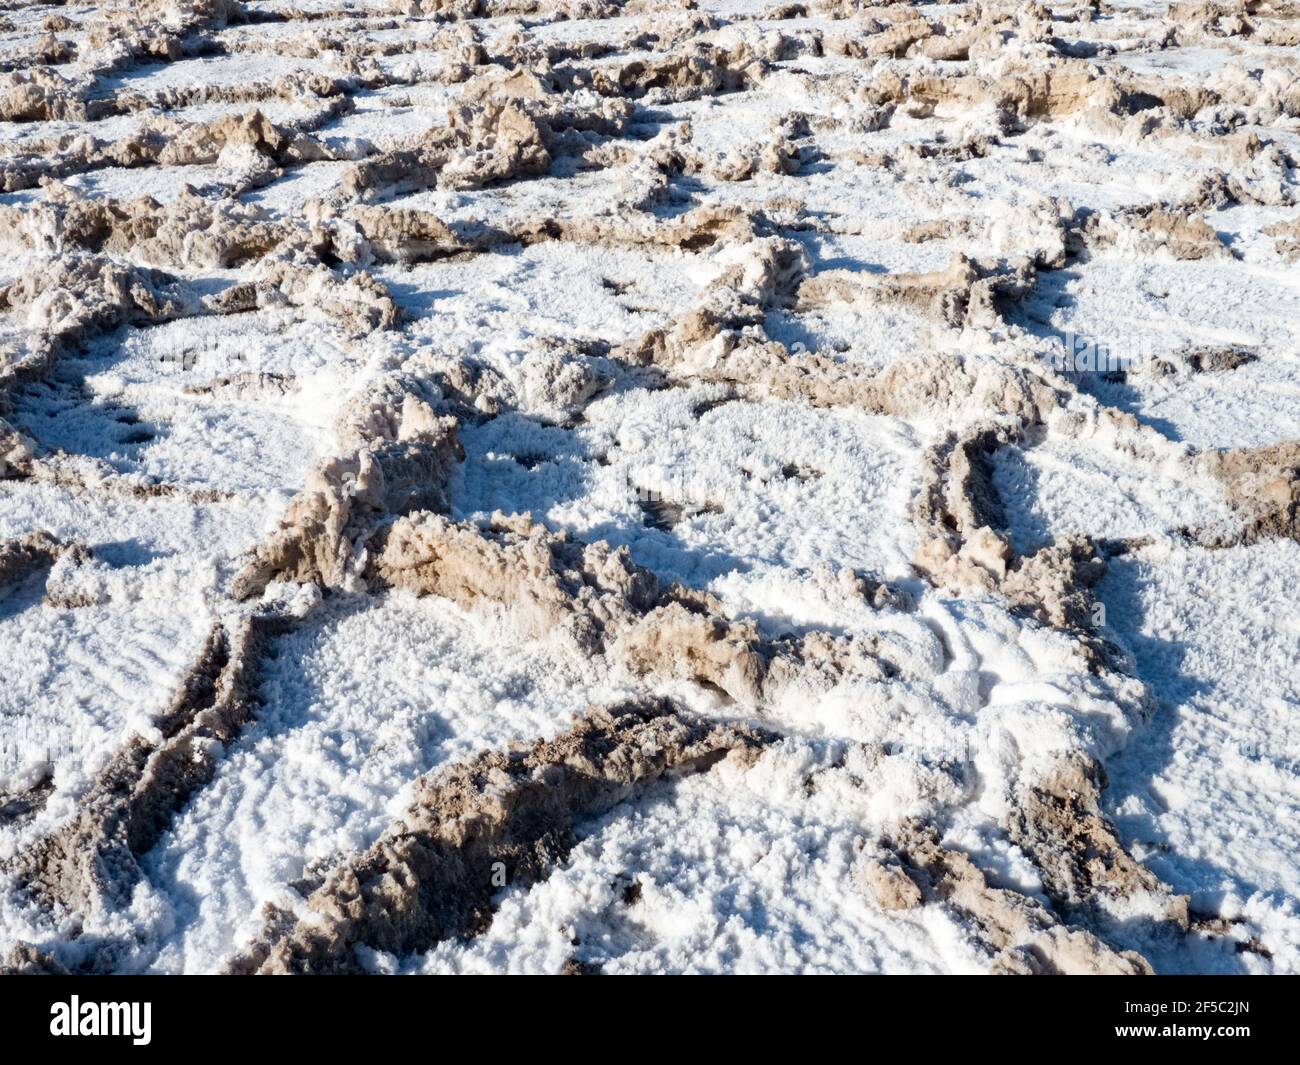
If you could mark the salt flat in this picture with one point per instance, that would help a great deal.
(650, 486)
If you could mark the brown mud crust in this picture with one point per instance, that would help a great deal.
(430, 876)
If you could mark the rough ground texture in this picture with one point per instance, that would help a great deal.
(649, 486)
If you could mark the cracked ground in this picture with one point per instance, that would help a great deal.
(581, 486)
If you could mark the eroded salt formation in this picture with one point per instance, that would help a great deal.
(726, 359)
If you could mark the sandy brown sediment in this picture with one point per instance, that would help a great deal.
(1179, 230)
(430, 877)
(911, 868)
(1057, 820)
(396, 455)
(90, 863)
(38, 553)
(1263, 485)
(193, 231)
(501, 140)
(22, 959)
(601, 603)
(294, 275)
(78, 297)
(1286, 237)
(958, 513)
(1187, 362)
(248, 146)
(966, 292)
(28, 553)
(89, 291)
(723, 340)
(963, 546)
(412, 235)
(15, 451)
(84, 295)
(1060, 824)
(153, 31)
